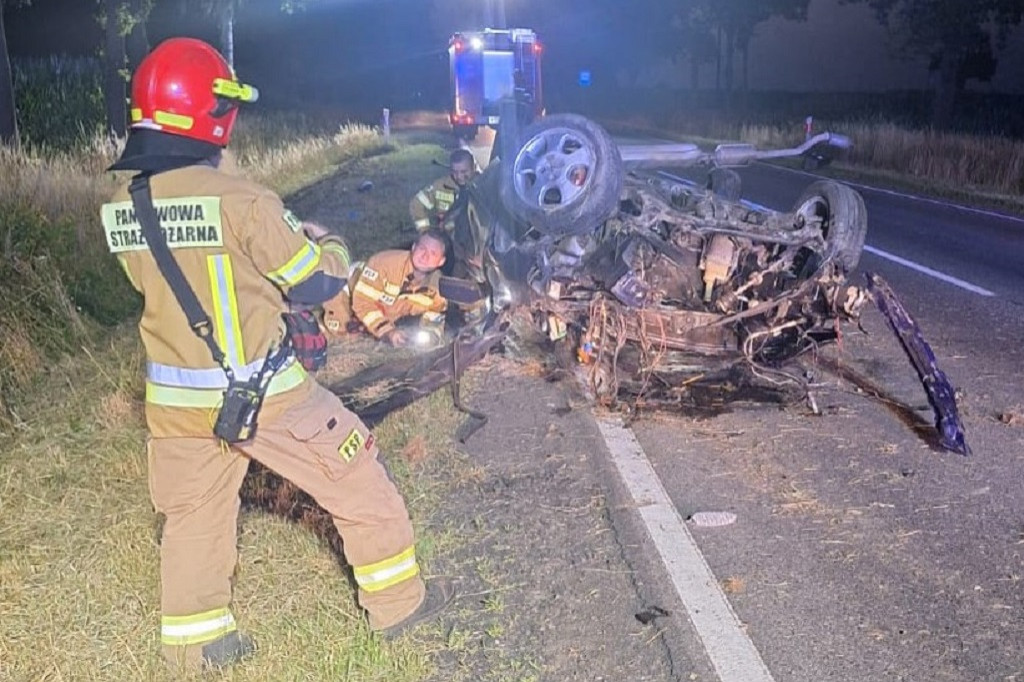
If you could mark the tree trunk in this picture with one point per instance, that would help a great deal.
(718, 60)
(694, 72)
(745, 66)
(730, 54)
(137, 40)
(227, 32)
(8, 116)
(946, 92)
(113, 63)
(729, 68)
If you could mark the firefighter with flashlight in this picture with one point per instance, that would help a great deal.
(397, 285)
(218, 259)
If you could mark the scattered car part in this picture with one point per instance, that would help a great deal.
(940, 391)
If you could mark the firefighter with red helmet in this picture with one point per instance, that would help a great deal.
(244, 257)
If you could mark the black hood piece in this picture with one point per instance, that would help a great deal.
(153, 151)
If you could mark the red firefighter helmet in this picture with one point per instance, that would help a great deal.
(185, 87)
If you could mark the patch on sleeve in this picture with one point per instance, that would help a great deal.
(353, 443)
(370, 274)
(293, 223)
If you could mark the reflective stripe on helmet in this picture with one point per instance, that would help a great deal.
(179, 121)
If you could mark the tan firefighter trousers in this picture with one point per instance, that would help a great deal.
(322, 448)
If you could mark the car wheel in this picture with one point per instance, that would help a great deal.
(725, 183)
(566, 177)
(843, 218)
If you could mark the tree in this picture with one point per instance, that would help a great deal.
(697, 42)
(136, 40)
(113, 69)
(959, 38)
(8, 111)
(736, 21)
(224, 12)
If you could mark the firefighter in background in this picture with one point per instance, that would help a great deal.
(431, 204)
(397, 284)
(240, 250)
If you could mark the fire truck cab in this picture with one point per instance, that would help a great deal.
(488, 66)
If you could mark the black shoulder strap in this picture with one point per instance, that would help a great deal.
(198, 320)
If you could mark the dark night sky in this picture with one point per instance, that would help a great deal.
(840, 48)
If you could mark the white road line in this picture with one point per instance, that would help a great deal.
(923, 269)
(973, 288)
(732, 654)
(904, 195)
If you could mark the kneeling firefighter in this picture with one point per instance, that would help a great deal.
(217, 259)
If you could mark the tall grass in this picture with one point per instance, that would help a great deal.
(951, 161)
(987, 167)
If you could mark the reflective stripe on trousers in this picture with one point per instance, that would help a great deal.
(383, 574)
(198, 628)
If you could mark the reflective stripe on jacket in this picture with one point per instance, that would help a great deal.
(242, 252)
(431, 203)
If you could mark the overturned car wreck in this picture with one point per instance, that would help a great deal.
(662, 294)
(670, 294)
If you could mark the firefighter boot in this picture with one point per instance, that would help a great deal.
(228, 650)
(439, 594)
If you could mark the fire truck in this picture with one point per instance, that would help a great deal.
(488, 66)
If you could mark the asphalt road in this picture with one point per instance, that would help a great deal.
(860, 552)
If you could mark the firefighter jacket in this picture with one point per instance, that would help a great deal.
(241, 252)
(387, 290)
(429, 206)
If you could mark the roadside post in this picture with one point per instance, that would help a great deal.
(385, 122)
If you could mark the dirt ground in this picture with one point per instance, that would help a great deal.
(548, 592)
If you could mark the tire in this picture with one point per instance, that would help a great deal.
(725, 183)
(844, 219)
(566, 177)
